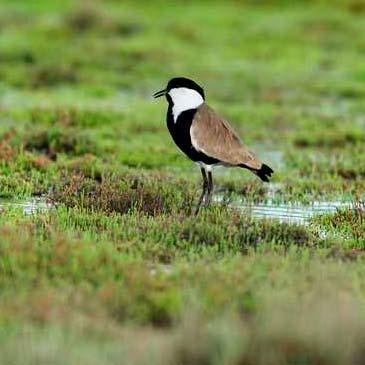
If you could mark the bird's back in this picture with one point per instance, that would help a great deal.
(214, 136)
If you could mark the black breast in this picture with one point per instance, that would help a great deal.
(180, 132)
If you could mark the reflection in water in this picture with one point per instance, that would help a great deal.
(292, 213)
(28, 206)
(287, 212)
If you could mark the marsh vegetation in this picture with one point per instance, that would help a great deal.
(113, 268)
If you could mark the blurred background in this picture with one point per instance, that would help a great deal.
(105, 52)
(118, 270)
(293, 70)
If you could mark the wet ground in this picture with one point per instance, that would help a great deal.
(29, 206)
(290, 212)
(296, 212)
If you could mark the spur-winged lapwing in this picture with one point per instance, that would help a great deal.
(204, 136)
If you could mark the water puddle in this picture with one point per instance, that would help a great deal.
(270, 155)
(292, 213)
(162, 268)
(287, 212)
(284, 212)
(28, 206)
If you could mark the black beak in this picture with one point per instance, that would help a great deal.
(159, 93)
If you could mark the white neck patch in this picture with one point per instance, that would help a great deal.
(183, 99)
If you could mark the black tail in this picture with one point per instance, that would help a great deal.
(264, 173)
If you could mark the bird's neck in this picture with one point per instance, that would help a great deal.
(182, 99)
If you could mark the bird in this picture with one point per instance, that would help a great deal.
(204, 136)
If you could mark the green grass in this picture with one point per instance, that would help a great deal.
(118, 270)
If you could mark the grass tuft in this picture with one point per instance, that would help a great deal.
(121, 195)
(54, 141)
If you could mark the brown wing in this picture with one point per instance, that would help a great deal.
(214, 136)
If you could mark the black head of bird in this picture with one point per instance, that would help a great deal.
(204, 136)
(181, 84)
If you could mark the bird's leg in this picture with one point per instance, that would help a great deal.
(205, 187)
(208, 198)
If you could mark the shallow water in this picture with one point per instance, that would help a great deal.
(29, 206)
(284, 212)
(289, 212)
